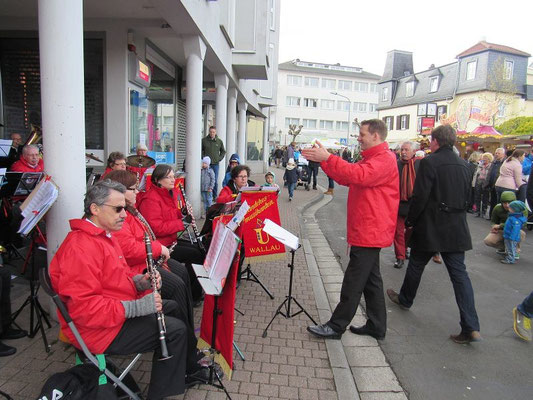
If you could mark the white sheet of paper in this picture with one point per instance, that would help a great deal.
(238, 217)
(5, 147)
(281, 235)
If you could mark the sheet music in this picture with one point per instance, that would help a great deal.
(281, 235)
(237, 218)
(37, 204)
(2, 175)
(5, 147)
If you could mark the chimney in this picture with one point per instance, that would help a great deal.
(399, 63)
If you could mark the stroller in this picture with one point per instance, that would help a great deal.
(304, 175)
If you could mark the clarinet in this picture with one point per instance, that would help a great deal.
(161, 260)
(193, 221)
(160, 316)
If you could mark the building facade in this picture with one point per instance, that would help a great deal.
(101, 76)
(323, 98)
(487, 85)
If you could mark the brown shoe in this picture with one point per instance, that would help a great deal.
(465, 338)
(329, 191)
(437, 259)
(393, 296)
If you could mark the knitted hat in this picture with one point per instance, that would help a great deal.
(291, 164)
(518, 206)
(206, 160)
(271, 174)
(507, 196)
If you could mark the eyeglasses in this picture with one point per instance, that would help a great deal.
(118, 209)
(242, 176)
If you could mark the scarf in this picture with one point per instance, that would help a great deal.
(139, 216)
(407, 180)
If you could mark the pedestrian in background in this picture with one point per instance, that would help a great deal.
(512, 230)
(207, 183)
(372, 208)
(437, 219)
(510, 174)
(493, 174)
(213, 147)
(313, 173)
(291, 177)
(481, 190)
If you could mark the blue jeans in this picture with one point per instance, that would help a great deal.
(207, 198)
(510, 249)
(331, 183)
(291, 187)
(214, 167)
(462, 287)
(526, 307)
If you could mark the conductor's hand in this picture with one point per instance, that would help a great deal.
(165, 252)
(158, 302)
(317, 154)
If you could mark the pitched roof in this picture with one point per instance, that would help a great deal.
(326, 69)
(484, 46)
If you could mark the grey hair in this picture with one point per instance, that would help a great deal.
(29, 146)
(413, 145)
(99, 192)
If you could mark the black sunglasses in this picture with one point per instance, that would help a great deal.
(118, 209)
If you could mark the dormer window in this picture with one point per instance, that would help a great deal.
(410, 89)
(385, 94)
(508, 67)
(471, 70)
(433, 84)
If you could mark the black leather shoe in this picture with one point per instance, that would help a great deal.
(363, 330)
(10, 333)
(6, 350)
(324, 331)
(399, 263)
(199, 377)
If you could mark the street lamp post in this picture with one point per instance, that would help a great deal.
(349, 108)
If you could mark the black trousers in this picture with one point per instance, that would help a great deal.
(5, 301)
(362, 276)
(313, 172)
(141, 335)
(187, 253)
(176, 286)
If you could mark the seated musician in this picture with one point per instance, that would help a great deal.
(159, 206)
(6, 161)
(239, 179)
(115, 162)
(109, 305)
(175, 279)
(30, 161)
(142, 150)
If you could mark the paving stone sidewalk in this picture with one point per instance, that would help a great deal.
(287, 364)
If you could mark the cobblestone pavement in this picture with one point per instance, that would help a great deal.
(287, 364)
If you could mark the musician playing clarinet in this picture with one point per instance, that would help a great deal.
(160, 208)
(174, 275)
(113, 307)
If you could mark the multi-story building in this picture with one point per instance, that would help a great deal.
(101, 76)
(487, 85)
(323, 98)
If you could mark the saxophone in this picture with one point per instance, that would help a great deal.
(160, 316)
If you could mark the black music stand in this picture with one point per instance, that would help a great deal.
(287, 302)
(37, 313)
(250, 276)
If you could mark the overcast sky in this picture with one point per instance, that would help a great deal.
(360, 33)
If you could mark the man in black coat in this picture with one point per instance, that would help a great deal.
(437, 218)
(493, 174)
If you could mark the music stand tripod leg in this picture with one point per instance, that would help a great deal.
(256, 279)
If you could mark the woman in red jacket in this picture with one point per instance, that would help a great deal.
(175, 278)
(160, 208)
(239, 179)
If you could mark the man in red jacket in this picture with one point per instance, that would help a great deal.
(107, 302)
(373, 199)
(30, 160)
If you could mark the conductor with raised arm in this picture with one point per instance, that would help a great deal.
(372, 208)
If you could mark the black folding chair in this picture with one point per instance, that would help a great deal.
(44, 279)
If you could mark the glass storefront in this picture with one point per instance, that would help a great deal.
(255, 139)
(152, 117)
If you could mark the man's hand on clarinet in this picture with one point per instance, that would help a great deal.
(165, 252)
(158, 302)
(317, 154)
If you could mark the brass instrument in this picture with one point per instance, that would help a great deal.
(188, 207)
(160, 316)
(35, 137)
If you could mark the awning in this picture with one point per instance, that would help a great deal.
(482, 132)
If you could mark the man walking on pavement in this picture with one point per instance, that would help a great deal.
(213, 147)
(437, 218)
(493, 174)
(372, 209)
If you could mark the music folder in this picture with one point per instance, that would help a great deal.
(212, 274)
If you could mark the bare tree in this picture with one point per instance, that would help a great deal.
(295, 131)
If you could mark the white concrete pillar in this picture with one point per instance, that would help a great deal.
(231, 125)
(221, 83)
(63, 111)
(266, 144)
(194, 53)
(241, 138)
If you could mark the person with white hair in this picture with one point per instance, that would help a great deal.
(30, 161)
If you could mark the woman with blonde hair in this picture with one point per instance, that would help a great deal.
(510, 174)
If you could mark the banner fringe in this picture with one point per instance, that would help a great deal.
(268, 257)
(219, 359)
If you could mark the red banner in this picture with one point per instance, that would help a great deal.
(226, 305)
(258, 245)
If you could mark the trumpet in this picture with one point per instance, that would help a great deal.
(160, 316)
(189, 210)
